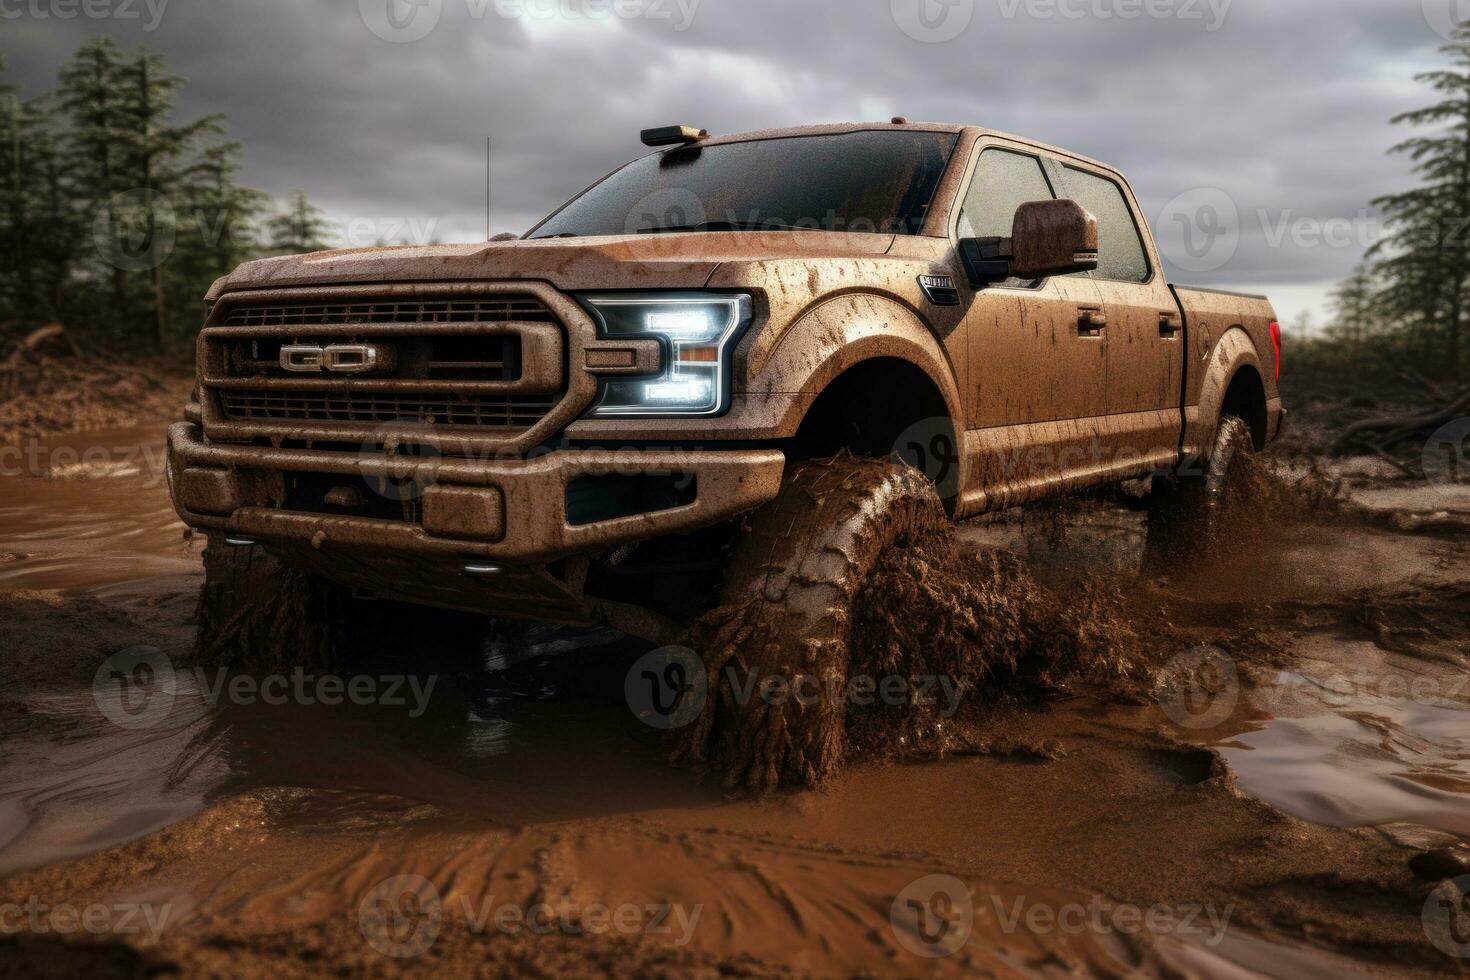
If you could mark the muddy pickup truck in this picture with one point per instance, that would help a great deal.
(735, 370)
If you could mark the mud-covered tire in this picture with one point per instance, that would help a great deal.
(257, 613)
(1188, 517)
(787, 617)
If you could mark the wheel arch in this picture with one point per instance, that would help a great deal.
(1234, 381)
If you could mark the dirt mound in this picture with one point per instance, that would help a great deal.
(48, 387)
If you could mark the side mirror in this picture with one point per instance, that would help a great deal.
(1048, 238)
(1052, 238)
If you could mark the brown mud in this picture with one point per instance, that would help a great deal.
(53, 389)
(1278, 815)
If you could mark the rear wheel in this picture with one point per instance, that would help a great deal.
(777, 651)
(1189, 514)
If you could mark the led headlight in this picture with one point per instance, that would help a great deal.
(698, 331)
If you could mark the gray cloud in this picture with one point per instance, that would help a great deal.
(1283, 106)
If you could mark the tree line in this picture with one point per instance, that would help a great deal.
(115, 216)
(1404, 310)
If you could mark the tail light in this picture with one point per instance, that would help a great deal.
(1276, 346)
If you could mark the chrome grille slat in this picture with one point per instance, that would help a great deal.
(389, 311)
(315, 406)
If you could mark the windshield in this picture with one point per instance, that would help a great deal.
(877, 181)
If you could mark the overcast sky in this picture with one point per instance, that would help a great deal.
(1254, 131)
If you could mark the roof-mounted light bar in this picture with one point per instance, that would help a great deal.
(673, 135)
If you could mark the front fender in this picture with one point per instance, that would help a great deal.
(833, 337)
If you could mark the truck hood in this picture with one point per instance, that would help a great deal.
(671, 261)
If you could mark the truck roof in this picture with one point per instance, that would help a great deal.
(926, 127)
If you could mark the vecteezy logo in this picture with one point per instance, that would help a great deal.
(401, 21)
(1199, 231)
(933, 917)
(1447, 918)
(401, 917)
(135, 230)
(1447, 16)
(135, 688)
(1199, 688)
(1446, 457)
(929, 446)
(932, 21)
(667, 688)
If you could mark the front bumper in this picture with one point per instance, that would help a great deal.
(506, 511)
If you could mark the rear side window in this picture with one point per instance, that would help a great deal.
(1003, 182)
(1121, 255)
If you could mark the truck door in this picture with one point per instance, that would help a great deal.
(1037, 352)
(1146, 339)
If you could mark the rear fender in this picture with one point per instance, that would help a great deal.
(1233, 351)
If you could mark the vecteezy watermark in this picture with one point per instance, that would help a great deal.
(938, 21)
(933, 917)
(1447, 17)
(1200, 688)
(1199, 230)
(136, 688)
(1446, 459)
(149, 11)
(667, 688)
(404, 915)
(1211, 13)
(932, 21)
(1205, 923)
(407, 21)
(39, 918)
(37, 459)
(135, 230)
(139, 230)
(931, 447)
(1447, 917)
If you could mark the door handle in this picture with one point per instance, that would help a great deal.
(1169, 324)
(1091, 321)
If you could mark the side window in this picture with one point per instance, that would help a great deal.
(1003, 182)
(1122, 256)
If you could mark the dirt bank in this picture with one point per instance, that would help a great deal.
(53, 389)
(1109, 814)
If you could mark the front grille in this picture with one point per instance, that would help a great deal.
(307, 314)
(493, 411)
(491, 361)
(496, 357)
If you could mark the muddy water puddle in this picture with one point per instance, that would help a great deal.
(259, 818)
(1354, 737)
(88, 510)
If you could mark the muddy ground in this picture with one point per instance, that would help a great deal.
(1253, 809)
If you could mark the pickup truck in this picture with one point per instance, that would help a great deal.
(681, 388)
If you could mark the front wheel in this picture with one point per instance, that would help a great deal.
(777, 651)
(257, 613)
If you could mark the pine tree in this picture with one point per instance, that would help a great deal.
(217, 222)
(157, 157)
(1426, 260)
(91, 97)
(303, 228)
(1354, 311)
